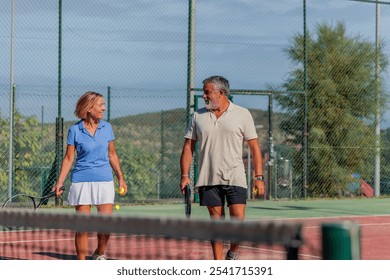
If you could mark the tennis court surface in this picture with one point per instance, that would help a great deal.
(45, 235)
(294, 232)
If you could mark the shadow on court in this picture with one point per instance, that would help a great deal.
(57, 256)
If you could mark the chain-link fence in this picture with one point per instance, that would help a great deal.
(319, 99)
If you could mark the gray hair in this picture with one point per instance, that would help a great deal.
(220, 83)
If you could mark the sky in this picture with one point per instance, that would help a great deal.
(139, 47)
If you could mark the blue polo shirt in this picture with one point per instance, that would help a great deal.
(92, 163)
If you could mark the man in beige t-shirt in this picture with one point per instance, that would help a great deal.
(220, 130)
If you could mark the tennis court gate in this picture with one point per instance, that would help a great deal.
(282, 147)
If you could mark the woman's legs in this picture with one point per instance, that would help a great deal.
(103, 238)
(81, 238)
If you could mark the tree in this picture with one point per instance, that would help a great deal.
(28, 155)
(341, 105)
(385, 160)
(139, 169)
(4, 148)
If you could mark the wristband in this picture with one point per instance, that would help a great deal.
(184, 175)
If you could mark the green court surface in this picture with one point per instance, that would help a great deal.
(261, 209)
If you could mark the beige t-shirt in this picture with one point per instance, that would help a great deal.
(221, 145)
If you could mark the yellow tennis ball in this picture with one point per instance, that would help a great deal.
(117, 207)
(121, 190)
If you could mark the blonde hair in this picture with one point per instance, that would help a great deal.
(85, 103)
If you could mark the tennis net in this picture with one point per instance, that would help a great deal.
(45, 235)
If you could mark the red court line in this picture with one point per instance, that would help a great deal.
(374, 236)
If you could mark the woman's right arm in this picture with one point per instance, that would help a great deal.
(65, 168)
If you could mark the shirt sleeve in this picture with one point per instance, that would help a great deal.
(191, 129)
(111, 136)
(249, 127)
(71, 137)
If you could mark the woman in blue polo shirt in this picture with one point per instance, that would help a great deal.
(92, 182)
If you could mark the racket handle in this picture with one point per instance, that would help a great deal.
(53, 193)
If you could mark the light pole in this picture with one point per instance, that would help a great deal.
(11, 108)
(378, 110)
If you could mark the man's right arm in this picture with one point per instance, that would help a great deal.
(185, 162)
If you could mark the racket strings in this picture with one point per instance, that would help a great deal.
(20, 202)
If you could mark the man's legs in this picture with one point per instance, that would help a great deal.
(237, 212)
(214, 198)
(217, 213)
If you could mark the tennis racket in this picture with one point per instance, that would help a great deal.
(187, 200)
(26, 201)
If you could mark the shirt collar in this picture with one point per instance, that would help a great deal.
(231, 106)
(82, 127)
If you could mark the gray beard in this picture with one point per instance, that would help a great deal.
(211, 106)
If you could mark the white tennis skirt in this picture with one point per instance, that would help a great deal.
(91, 193)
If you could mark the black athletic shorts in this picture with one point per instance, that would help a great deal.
(216, 195)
